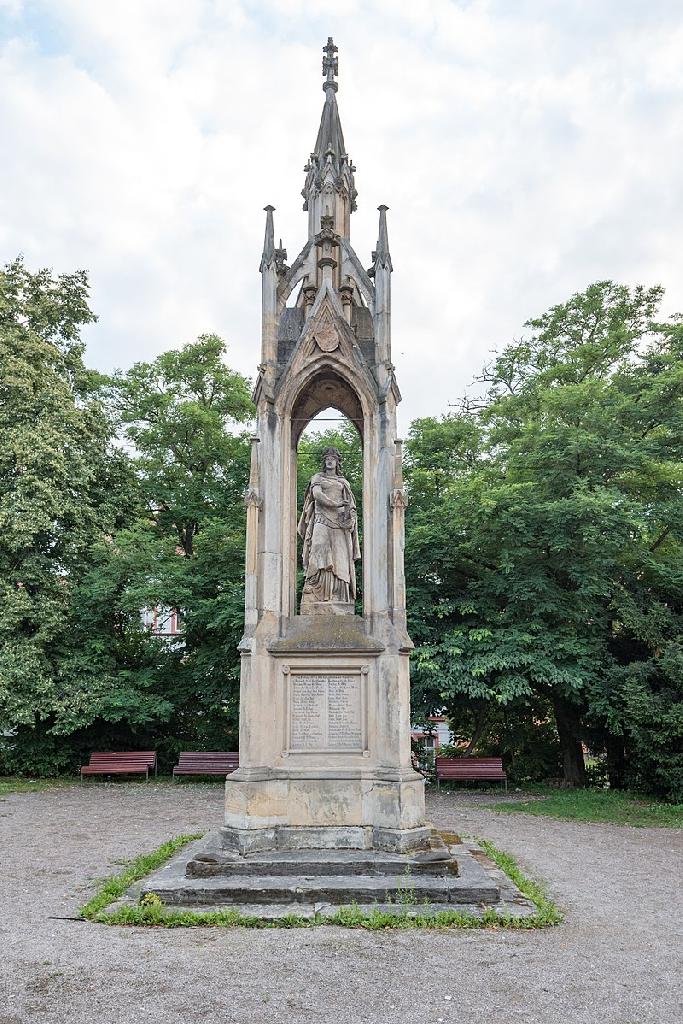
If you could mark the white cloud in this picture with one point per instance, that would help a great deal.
(11, 8)
(524, 150)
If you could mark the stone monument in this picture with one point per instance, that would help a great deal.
(325, 756)
(325, 808)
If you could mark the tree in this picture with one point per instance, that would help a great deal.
(93, 531)
(551, 551)
(59, 486)
(180, 414)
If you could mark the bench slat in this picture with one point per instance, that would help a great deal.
(206, 759)
(148, 756)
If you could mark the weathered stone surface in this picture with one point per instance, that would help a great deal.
(336, 889)
(204, 876)
(321, 635)
(296, 837)
(214, 862)
(354, 806)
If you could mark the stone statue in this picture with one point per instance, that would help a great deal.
(329, 530)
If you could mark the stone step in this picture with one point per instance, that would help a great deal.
(216, 863)
(310, 879)
(334, 889)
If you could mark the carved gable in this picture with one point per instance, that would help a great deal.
(327, 340)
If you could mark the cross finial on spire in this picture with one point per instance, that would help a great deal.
(330, 64)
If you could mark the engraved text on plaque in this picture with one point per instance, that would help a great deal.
(325, 711)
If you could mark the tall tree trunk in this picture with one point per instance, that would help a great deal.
(568, 720)
(479, 730)
(616, 761)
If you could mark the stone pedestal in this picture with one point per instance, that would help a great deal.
(329, 768)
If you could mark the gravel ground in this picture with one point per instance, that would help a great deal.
(616, 960)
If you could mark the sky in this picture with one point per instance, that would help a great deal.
(525, 148)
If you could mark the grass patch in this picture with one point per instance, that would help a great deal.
(546, 911)
(113, 888)
(608, 805)
(151, 910)
(17, 784)
(21, 784)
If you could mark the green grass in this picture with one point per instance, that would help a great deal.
(113, 888)
(17, 784)
(613, 806)
(546, 911)
(151, 911)
(21, 784)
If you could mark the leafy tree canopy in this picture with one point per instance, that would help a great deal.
(57, 476)
(547, 520)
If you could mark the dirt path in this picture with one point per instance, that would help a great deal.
(617, 960)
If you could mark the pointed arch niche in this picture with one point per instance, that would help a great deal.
(328, 388)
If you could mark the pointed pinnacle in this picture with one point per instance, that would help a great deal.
(269, 239)
(381, 256)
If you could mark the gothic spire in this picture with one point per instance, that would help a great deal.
(330, 189)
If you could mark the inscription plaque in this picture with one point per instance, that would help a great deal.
(325, 711)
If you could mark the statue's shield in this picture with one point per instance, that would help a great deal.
(326, 337)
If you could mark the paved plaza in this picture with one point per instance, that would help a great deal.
(616, 960)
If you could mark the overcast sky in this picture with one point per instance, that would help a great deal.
(525, 148)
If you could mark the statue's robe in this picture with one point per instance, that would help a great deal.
(330, 542)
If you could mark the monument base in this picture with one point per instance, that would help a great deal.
(352, 809)
(316, 883)
(313, 837)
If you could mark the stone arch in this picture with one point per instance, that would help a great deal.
(312, 384)
(328, 389)
(319, 385)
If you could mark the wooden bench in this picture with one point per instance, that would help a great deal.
(206, 762)
(131, 762)
(466, 769)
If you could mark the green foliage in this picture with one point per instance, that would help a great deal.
(10, 784)
(522, 732)
(544, 547)
(544, 533)
(94, 530)
(61, 481)
(178, 412)
(613, 806)
(184, 551)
